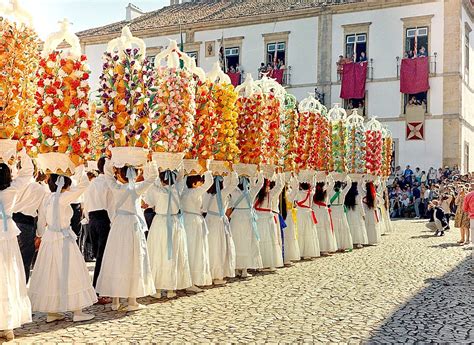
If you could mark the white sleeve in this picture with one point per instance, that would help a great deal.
(41, 225)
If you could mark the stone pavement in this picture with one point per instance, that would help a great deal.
(412, 287)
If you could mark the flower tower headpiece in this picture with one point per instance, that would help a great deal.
(19, 60)
(224, 97)
(374, 143)
(288, 137)
(355, 147)
(386, 151)
(62, 104)
(273, 104)
(174, 106)
(337, 117)
(251, 127)
(124, 90)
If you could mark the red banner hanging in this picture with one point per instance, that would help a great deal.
(278, 75)
(234, 78)
(414, 75)
(353, 80)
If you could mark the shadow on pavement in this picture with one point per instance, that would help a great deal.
(442, 312)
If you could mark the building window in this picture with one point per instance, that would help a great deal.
(151, 60)
(356, 47)
(416, 43)
(232, 56)
(194, 55)
(356, 103)
(466, 50)
(276, 54)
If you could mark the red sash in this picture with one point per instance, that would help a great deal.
(302, 205)
(257, 208)
(322, 204)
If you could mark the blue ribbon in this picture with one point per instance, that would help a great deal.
(4, 216)
(131, 176)
(220, 204)
(282, 232)
(253, 213)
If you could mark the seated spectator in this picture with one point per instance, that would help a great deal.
(261, 70)
(396, 208)
(437, 220)
(398, 172)
(423, 178)
(431, 175)
(417, 175)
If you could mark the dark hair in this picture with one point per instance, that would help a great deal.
(213, 189)
(319, 193)
(191, 180)
(122, 172)
(337, 186)
(241, 182)
(283, 209)
(263, 192)
(101, 164)
(350, 200)
(164, 180)
(305, 186)
(5, 176)
(53, 178)
(370, 195)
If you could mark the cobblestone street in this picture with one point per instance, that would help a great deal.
(412, 287)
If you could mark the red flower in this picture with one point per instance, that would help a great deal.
(76, 101)
(46, 130)
(76, 147)
(62, 62)
(85, 76)
(82, 113)
(75, 84)
(39, 120)
(50, 90)
(42, 63)
(52, 56)
(54, 120)
(83, 58)
(83, 135)
(41, 83)
(59, 103)
(57, 84)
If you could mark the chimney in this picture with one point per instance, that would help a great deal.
(132, 12)
(174, 2)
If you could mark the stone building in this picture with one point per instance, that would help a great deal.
(431, 128)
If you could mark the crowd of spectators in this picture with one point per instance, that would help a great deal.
(270, 67)
(411, 191)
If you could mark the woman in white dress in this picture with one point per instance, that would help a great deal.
(268, 223)
(308, 241)
(15, 307)
(338, 213)
(243, 225)
(325, 226)
(125, 271)
(372, 218)
(291, 250)
(60, 281)
(196, 229)
(221, 243)
(382, 200)
(167, 244)
(356, 214)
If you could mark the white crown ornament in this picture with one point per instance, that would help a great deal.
(128, 156)
(55, 163)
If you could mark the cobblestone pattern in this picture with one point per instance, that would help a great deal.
(412, 287)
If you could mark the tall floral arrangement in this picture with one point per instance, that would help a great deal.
(289, 128)
(225, 102)
(19, 59)
(62, 106)
(374, 146)
(304, 136)
(125, 92)
(355, 158)
(271, 117)
(205, 123)
(339, 136)
(387, 154)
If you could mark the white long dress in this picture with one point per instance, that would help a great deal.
(372, 224)
(291, 248)
(197, 232)
(167, 245)
(268, 226)
(125, 270)
(325, 225)
(60, 281)
(245, 234)
(340, 223)
(15, 306)
(221, 243)
(308, 241)
(355, 218)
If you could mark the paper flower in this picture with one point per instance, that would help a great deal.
(19, 58)
(338, 145)
(252, 129)
(62, 106)
(355, 159)
(125, 91)
(289, 128)
(386, 156)
(225, 99)
(205, 123)
(320, 143)
(305, 132)
(173, 110)
(271, 117)
(373, 148)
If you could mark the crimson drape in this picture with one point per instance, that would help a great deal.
(234, 78)
(353, 80)
(414, 75)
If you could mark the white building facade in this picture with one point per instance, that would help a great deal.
(309, 36)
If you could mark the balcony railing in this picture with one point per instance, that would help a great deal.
(283, 77)
(432, 63)
(370, 71)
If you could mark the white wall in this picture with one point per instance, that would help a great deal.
(422, 153)
(301, 50)
(94, 56)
